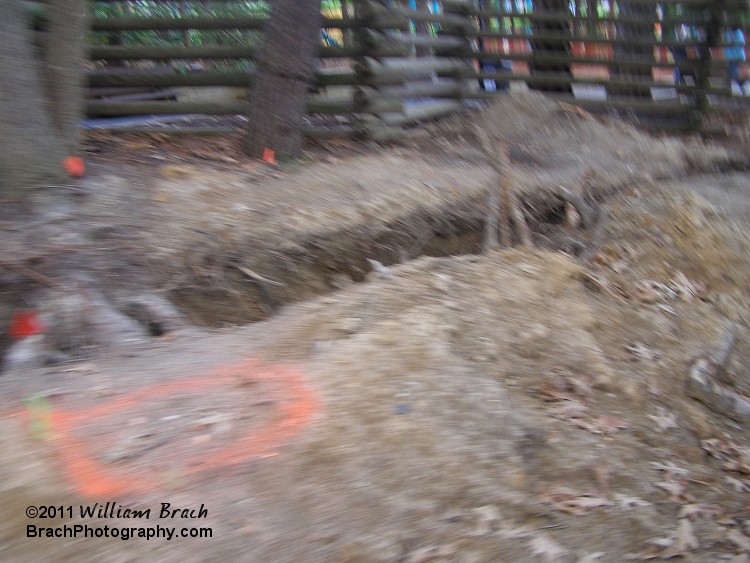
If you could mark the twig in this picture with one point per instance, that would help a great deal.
(576, 201)
(493, 197)
(523, 227)
(506, 229)
(418, 246)
(257, 277)
(145, 449)
(597, 237)
(703, 384)
(725, 348)
(29, 273)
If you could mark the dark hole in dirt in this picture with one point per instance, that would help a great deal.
(156, 329)
(327, 262)
(323, 263)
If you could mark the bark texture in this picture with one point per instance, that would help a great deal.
(30, 150)
(285, 70)
(64, 76)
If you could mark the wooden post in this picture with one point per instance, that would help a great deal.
(703, 71)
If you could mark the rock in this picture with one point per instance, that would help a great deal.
(27, 353)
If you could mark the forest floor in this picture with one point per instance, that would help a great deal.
(223, 339)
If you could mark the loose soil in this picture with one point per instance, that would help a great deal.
(518, 405)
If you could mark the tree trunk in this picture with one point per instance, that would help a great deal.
(285, 70)
(30, 150)
(64, 77)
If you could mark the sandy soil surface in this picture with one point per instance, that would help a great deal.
(518, 405)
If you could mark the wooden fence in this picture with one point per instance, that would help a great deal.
(388, 63)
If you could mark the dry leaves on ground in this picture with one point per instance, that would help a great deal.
(572, 502)
(664, 420)
(548, 549)
(677, 491)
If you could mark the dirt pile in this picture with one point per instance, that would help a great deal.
(516, 405)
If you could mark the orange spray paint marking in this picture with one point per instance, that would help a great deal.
(95, 479)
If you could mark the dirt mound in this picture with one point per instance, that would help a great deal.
(518, 404)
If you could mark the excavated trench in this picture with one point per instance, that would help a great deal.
(254, 284)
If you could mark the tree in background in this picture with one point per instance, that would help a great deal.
(39, 130)
(285, 69)
(64, 53)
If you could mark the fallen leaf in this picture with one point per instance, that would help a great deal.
(684, 288)
(610, 424)
(604, 472)
(662, 542)
(648, 291)
(625, 501)
(586, 425)
(695, 511)
(545, 547)
(582, 386)
(511, 533)
(568, 410)
(583, 504)
(720, 449)
(737, 466)
(738, 485)
(664, 420)
(430, 553)
(592, 557)
(669, 467)
(487, 519)
(685, 537)
(739, 539)
(640, 351)
(568, 501)
(675, 489)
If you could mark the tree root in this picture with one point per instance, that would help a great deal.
(584, 211)
(519, 218)
(29, 273)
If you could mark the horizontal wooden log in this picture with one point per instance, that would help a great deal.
(567, 39)
(410, 90)
(422, 112)
(640, 64)
(411, 67)
(118, 53)
(228, 52)
(239, 79)
(115, 90)
(119, 23)
(114, 109)
(567, 17)
(426, 41)
(612, 84)
(114, 23)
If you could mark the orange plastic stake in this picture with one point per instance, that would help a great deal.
(74, 166)
(25, 323)
(269, 156)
